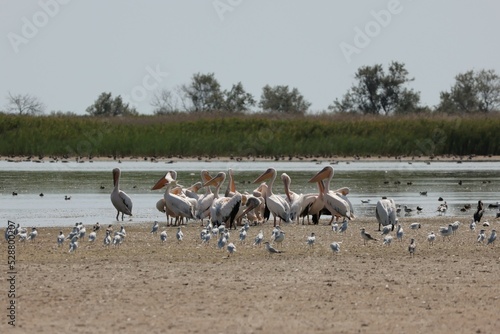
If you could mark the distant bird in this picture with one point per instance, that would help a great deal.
(366, 237)
(479, 212)
(419, 209)
(486, 224)
(120, 200)
(41, 195)
(400, 232)
(243, 234)
(60, 239)
(279, 237)
(205, 236)
(423, 193)
(155, 227)
(67, 198)
(335, 246)
(33, 234)
(446, 231)
(481, 236)
(431, 237)
(472, 225)
(442, 208)
(455, 226)
(81, 231)
(222, 241)
(365, 201)
(107, 238)
(258, 239)
(96, 227)
(440, 199)
(311, 239)
(22, 236)
(270, 248)
(14, 193)
(117, 239)
(231, 248)
(408, 210)
(179, 235)
(386, 229)
(412, 247)
(493, 237)
(73, 245)
(335, 227)
(415, 226)
(343, 227)
(92, 236)
(163, 236)
(387, 240)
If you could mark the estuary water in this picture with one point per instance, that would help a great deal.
(89, 185)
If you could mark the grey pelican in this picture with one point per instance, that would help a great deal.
(120, 199)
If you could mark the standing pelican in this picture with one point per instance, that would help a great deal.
(299, 203)
(277, 205)
(334, 203)
(180, 206)
(120, 200)
(205, 200)
(223, 208)
(385, 212)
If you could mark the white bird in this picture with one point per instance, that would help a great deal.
(386, 229)
(270, 248)
(486, 224)
(205, 238)
(472, 225)
(23, 236)
(155, 227)
(343, 227)
(431, 237)
(82, 231)
(279, 237)
(73, 245)
(231, 248)
(493, 237)
(33, 234)
(366, 237)
(481, 236)
(92, 236)
(60, 239)
(415, 226)
(117, 240)
(412, 247)
(335, 246)
(163, 236)
(311, 239)
(385, 211)
(388, 240)
(177, 205)
(121, 201)
(258, 239)
(179, 235)
(277, 205)
(446, 231)
(74, 232)
(400, 233)
(243, 234)
(222, 241)
(335, 227)
(454, 226)
(107, 238)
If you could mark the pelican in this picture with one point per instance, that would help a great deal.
(277, 205)
(231, 187)
(178, 205)
(223, 208)
(120, 200)
(299, 203)
(204, 201)
(334, 203)
(385, 212)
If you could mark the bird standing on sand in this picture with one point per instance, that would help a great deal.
(472, 225)
(258, 239)
(231, 248)
(400, 233)
(481, 236)
(73, 245)
(446, 231)
(431, 237)
(60, 239)
(311, 239)
(343, 227)
(415, 226)
(33, 234)
(155, 227)
(163, 236)
(366, 237)
(493, 237)
(335, 246)
(179, 235)
(107, 238)
(479, 212)
(386, 229)
(270, 248)
(92, 236)
(412, 247)
(387, 240)
(243, 234)
(455, 226)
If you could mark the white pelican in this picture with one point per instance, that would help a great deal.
(277, 205)
(223, 208)
(299, 203)
(120, 200)
(385, 212)
(205, 200)
(366, 237)
(334, 203)
(231, 187)
(180, 206)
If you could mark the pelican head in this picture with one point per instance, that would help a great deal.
(322, 174)
(168, 178)
(270, 172)
(216, 180)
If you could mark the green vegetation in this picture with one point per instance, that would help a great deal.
(206, 134)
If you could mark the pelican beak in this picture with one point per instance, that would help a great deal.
(216, 180)
(205, 176)
(161, 183)
(344, 191)
(266, 175)
(322, 174)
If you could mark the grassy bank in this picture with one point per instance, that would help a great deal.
(256, 135)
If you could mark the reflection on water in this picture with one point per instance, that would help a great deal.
(90, 184)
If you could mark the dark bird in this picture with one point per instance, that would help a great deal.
(412, 247)
(423, 193)
(366, 237)
(479, 212)
(14, 193)
(419, 209)
(440, 199)
(67, 198)
(41, 195)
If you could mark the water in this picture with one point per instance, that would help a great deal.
(90, 183)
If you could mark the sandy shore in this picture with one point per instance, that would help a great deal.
(186, 287)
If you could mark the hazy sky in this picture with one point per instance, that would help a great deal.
(67, 52)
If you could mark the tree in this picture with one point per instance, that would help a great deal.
(106, 106)
(237, 99)
(280, 99)
(204, 93)
(24, 104)
(472, 92)
(166, 102)
(379, 93)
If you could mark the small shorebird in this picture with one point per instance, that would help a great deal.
(60, 239)
(163, 236)
(431, 237)
(311, 239)
(335, 246)
(366, 237)
(493, 237)
(481, 236)
(412, 247)
(231, 248)
(446, 231)
(270, 248)
(415, 226)
(155, 227)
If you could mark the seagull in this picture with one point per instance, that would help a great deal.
(179, 235)
(243, 234)
(387, 240)
(335, 246)
(400, 233)
(107, 238)
(408, 210)
(270, 248)
(454, 226)
(472, 225)
(205, 237)
(366, 236)
(33, 234)
(311, 239)
(446, 231)
(415, 226)
(23, 236)
(386, 229)
(493, 237)
(163, 236)
(222, 241)
(231, 248)
(486, 224)
(155, 227)
(431, 237)
(82, 231)
(60, 239)
(412, 247)
(96, 227)
(343, 227)
(280, 237)
(92, 236)
(258, 239)
(335, 227)
(117, 239)
(73, 245)
(481, 236)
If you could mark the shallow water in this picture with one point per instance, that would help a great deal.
(366, 180)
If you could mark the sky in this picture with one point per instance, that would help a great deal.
(67, 52)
